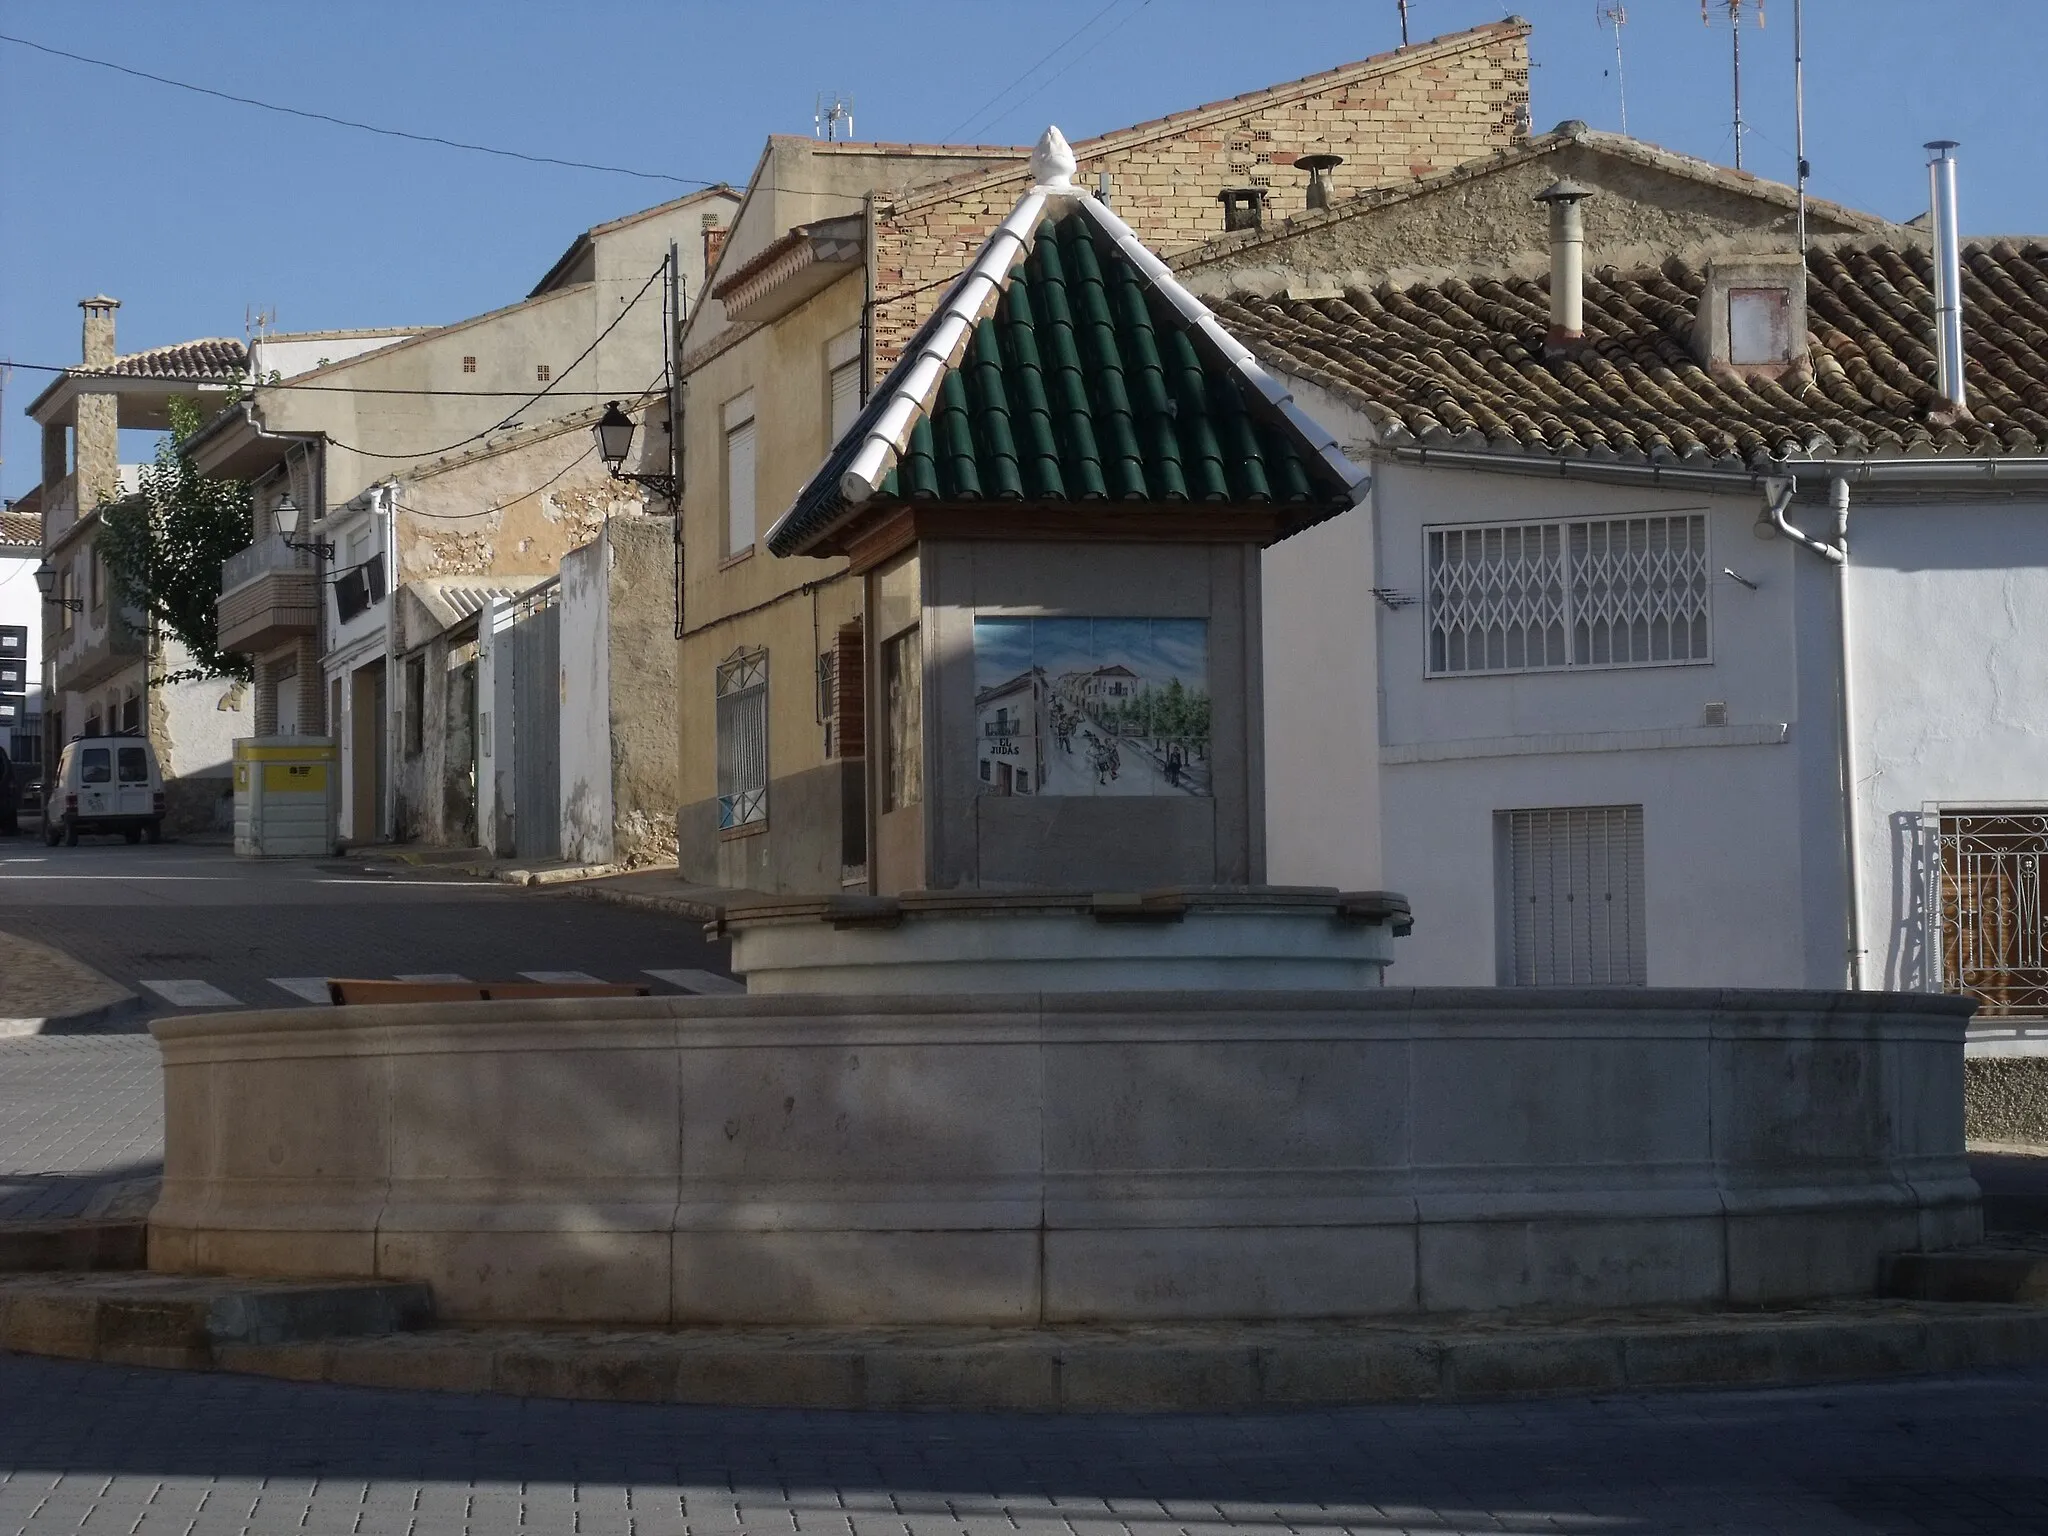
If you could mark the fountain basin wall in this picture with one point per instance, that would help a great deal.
(1026, 1158)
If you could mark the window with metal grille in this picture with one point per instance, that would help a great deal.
(469, 365)
(1992, 870)
(1537, 597)
(1571, 893)
(743, 740)
(542, 373)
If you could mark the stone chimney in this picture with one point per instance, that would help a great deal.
(1567, 262)
(96, 420)
(98, 350)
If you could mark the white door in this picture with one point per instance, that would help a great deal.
(96, 793)
(131, 780)
(288, 707)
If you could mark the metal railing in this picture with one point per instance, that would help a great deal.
(1993, 874)
(260, 559)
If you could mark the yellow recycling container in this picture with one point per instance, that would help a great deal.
(287, 790)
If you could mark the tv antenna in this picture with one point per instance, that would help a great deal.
(1616, 17)
(834, 108)
(1402, 6)
(1735, 9)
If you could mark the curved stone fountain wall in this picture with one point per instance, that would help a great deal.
(1025, 1158)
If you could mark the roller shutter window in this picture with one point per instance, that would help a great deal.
(739, 475)
(1572, 882)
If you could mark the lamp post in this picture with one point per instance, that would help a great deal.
(287, 514)
(614, 433)
(46, 583)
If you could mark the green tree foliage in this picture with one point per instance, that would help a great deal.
(164, 546)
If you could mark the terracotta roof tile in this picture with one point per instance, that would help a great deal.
(219, 358)
(1461, 364)
(20, 528)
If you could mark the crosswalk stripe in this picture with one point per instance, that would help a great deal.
(558, 976)
(432, 976)
(312, 988)
(192, 994)
(699, 981)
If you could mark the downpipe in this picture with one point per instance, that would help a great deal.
(1778, 497)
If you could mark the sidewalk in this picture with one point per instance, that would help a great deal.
(43, 991)
(659, 889)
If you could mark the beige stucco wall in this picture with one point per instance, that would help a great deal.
(1490, 223)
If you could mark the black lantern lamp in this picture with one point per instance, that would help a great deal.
(287, 514)
(46, 583)
(614, 433)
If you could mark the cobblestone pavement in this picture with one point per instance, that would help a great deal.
(80, 1117)
(90, 1448)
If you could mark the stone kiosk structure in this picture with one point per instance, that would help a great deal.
(1068, 1061)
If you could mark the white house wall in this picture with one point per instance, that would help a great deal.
(1321, 688)
(1740, 854)
(1949, 610)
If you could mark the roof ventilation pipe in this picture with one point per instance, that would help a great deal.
(1948, 267)
(1321, 190)
(1567, 261)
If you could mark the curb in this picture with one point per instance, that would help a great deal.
(1165, 1369)
(372, 1334)
(84, 1021)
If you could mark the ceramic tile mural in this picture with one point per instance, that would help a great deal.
(1092, 706)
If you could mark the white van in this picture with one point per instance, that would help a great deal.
(105, 784)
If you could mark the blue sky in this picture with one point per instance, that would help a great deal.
(191, 210)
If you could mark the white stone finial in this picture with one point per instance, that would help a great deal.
(1052, 162)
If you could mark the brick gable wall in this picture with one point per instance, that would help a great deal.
(1411, 115)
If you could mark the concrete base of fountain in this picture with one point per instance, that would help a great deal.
(1030, 1157)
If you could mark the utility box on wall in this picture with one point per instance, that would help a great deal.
(286, 796)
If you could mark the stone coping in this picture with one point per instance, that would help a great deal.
(1165, 904)
(1536, 1008)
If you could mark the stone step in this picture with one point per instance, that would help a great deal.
(1184, 1367)
(1994, 1272)
(73, 1245)
(180, 1320)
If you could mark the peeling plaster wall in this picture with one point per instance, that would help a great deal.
(499, 513)
(1490, 224)
(587, 749)
(619, 706)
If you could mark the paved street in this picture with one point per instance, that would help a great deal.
(193, 928)
(88, 1448)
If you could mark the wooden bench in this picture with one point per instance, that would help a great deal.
(344, 992)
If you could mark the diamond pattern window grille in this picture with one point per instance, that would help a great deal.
(743, 740)
(1534, 597)
(1993, 877)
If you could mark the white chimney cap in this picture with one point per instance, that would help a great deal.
(1053, 163)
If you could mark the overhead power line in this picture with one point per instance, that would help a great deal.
(360, 127)
(348, 389)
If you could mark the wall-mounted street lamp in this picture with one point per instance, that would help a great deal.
(287, 515)
(614, 434)
(46, 583)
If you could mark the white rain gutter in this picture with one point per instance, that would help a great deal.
(2031, 469)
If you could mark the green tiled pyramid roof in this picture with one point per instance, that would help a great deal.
(1088, 380)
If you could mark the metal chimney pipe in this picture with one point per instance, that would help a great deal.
(1321, 191)
(1567, 260)
(1948, 266)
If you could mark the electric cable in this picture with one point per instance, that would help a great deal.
(512, 415)
(1039, 89)
(348, 389)
(981, 111)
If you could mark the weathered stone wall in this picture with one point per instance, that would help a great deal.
(1487, 221)
(2005, 1098)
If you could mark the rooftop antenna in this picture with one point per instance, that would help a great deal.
(1799, 114)
(834, 108)
(1402, 6)
(1616, 17)
(1734, 8)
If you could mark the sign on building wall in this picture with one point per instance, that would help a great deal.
(1092, 706)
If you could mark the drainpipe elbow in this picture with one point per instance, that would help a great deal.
(1778, 497)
